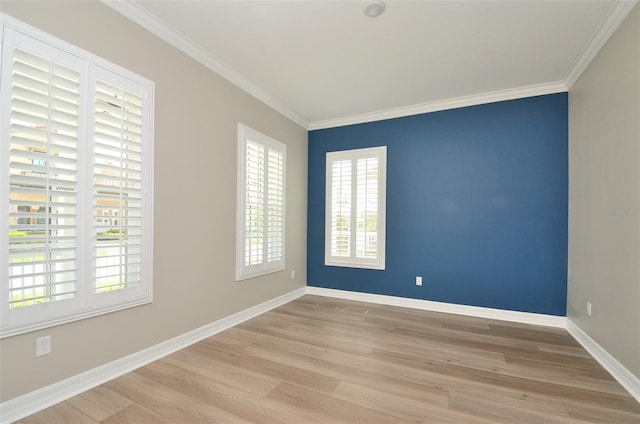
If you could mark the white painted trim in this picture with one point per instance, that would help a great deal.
(609, 24)
(626, 379)
(151, 23)
(450, 308)
(446, 104)
(30, 403)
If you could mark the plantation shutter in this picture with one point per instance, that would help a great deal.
(275, 205)
(43, 178)
(76, 183)
(254, 207)
(355, 208)
(261, 204)
(117, 187)
(341, 208)
(366, 207)
(264, 232)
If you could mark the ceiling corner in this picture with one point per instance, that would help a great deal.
(136, 13)
(619, 10)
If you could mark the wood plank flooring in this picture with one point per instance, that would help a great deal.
(324, 360)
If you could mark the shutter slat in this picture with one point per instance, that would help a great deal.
(32, 137)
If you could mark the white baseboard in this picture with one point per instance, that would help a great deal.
(626, 379)
(428, 305)
(30, 403)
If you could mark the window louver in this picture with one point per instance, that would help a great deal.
(261, 204)
(117, 188)
(76, 149)
(355, 208)
(43, 176)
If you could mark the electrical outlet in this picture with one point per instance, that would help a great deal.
(43, 345)
(589, 308)
(418, 281)
(293, 274)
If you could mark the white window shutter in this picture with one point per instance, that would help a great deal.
(275, 205)
(43, 176)
(76, 149)
(260, 232)
(355, 208)
(117, 188)
(254, 206)
(367, 207)
(340, 241)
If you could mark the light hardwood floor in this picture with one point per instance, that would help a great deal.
(324, 360)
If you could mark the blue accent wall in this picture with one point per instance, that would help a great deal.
(476, 205)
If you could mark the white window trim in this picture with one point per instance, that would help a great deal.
(244, 272)
(352, 261)
(84, 305)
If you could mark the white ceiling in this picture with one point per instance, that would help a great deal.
(324, 63)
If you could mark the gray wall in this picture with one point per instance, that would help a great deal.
(604, 196)
(196, 115)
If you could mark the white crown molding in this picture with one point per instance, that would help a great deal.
(139, 15)
(609, 24)
(438, 105)
(30, 403)
(450, 308)
(626, 379)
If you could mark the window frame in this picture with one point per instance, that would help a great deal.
(244, 271)
(85, 303)
(353, 261)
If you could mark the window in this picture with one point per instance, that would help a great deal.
(355, 208)
(76, 180)
(261, 204)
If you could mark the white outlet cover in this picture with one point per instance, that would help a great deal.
(43, 345)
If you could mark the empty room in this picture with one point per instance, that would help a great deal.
(320, 211)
